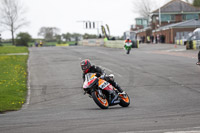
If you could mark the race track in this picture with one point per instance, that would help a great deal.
(163, 85)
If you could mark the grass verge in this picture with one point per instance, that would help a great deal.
(13, 79)
(13, 49)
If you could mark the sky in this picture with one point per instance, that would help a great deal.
(67, 15)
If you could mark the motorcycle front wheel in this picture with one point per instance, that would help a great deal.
(125, 100)
(100, 101)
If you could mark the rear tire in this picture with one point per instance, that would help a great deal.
(125, 100)
(101, 102)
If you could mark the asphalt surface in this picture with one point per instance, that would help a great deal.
(162, 82)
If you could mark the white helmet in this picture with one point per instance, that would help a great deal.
(111, 76)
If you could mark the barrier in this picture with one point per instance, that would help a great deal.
(107, 43)
(195, 44)
(181, 42)
(114, 44)
(62, 44)
(92, 42)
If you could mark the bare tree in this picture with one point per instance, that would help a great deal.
(11, 12)
(49, 33)
(143, 7)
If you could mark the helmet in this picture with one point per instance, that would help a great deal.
(111, 76)
(85, 65)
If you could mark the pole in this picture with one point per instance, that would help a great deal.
(159, 17)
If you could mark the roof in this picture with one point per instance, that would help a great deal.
(143, 30)
(193, 23)
(177, 6)
(142, 18)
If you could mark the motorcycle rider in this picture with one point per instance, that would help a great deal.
(127, 41)
(88, 68)
(128, 45)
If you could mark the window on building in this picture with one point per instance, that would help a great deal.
(190, 16)
(154, 18)
(167, 17)
(145, 23)
(139, 22)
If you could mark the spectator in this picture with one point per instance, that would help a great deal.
(36, 44)
(41, 43)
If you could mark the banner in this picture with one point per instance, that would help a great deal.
(104, 31)
(108, 29)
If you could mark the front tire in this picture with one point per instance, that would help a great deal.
(100, 101)
(128, 51)
(125, 100)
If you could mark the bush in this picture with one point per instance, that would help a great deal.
(22, 39)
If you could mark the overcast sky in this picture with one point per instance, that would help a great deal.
(66, 14)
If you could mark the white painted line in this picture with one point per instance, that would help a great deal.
(171, 50)
(189, 130)
(28, 86)
(184, 132)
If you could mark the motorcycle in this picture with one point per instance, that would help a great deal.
(103, 93)
(128, 46)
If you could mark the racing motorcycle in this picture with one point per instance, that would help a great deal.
(103, 93)
(127, 47)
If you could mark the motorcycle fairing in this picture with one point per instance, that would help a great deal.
(89, 80)
(104, 85)
(128, 44)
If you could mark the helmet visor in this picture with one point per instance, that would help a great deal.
(84, 67)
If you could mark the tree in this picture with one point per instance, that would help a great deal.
(49, 33)
(67, 36)
(144, 7)
(89, 36)
(59, 39)
(23, 38)
(12, 16)
(196, 3)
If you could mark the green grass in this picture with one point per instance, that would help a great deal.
(13, 80)
(12, 49)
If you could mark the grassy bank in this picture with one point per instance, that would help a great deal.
(13, 49)
(13, 78)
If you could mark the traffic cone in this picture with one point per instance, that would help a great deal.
(175, 46)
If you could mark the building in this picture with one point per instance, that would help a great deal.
(173, 12)
(141, 23)
(176, 32)
(166, 21)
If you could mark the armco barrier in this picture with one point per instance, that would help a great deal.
(181, 42)
(193, 44)
(101, 42)
(62, 45)
(92, 42)
(196, 44)
(118, 44)
(114, 44)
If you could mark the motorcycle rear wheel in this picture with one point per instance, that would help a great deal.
(125, 100)
(101, 102)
